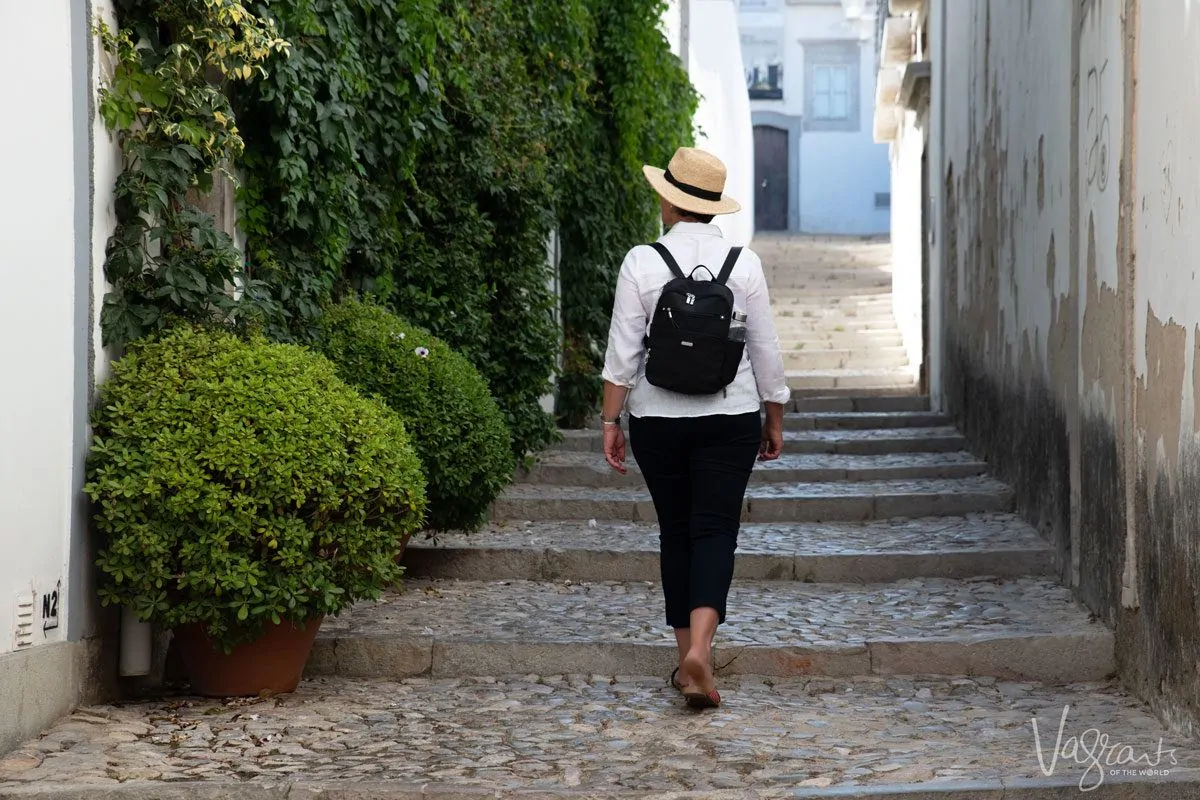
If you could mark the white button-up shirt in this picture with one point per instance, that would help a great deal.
(760, 377)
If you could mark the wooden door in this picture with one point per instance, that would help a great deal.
(770, 178)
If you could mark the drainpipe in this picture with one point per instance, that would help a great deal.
(685, 18)
(135, 645)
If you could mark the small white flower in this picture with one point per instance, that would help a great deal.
(423, 352)
(397, 336)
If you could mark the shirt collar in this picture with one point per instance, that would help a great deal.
(695, 229)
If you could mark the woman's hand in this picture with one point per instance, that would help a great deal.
(772, 433)
(614, 447)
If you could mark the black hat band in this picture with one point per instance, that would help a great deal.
(694, 191)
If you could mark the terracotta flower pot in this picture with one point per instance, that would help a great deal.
(271, 664)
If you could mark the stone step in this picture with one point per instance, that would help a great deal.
(841, 341)
(849, 379)
(602, 737)
(797, 311)
(833, 414)
(860, 404)
(832, 287)
(833, 320)
(1017, 629)
(887, 392)
(767, 502)
(852, 342)
(878, 420)
(831, 298)
(878, 551)
(845, 441)
(590, 469)
(805, 358)
(869, 280)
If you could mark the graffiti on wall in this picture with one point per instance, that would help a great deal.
(1101, 109)
(1097, 129)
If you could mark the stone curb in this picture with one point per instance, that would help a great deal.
(843, 508)
(1085, 655)
(1184, 787)
(515, 563)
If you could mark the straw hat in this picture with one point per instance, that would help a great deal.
(693, 181)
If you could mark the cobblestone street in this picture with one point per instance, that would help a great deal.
(560, 733)
(894, 631)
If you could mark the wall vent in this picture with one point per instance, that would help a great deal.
(26, 607)
(883, 200)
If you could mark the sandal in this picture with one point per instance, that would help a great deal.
(694, 695)
(698, 699)
(679, 687)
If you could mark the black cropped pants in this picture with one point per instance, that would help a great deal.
(696, 469)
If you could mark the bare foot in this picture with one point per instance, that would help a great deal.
(696, 670)
(682, 683)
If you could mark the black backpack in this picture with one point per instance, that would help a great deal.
(688, 349)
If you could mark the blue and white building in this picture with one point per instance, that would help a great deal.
(810, 70)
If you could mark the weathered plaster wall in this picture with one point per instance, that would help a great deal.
(1163, 634)
(1069, 227)
(1004, 232)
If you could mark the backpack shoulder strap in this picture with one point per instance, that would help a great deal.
(668, 258)
(727, 267)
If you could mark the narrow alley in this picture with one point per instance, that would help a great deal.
(892, 623)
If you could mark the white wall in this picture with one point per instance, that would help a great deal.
(840, 172)
(1167, 231)
(723, 118)
(1007, 128)
(907, 242)
(37, 313)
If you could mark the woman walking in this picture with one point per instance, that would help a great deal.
(694, 423)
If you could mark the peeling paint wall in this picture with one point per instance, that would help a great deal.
(1003, 222)
(1163, 659)
(1068, 222)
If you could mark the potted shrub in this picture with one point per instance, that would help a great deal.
(456, 426)
(243, 492)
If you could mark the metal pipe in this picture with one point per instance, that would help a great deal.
(136, 647)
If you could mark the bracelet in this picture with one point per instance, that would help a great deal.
(611, 422)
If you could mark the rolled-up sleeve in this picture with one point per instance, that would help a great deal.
(627, 329)
(762, 341)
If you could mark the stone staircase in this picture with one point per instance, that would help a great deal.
(833, 311)
(894, 630)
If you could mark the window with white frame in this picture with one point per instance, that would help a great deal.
(831, 78)
(831, 92)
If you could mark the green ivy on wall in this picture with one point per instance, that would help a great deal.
(642, 109)
(419, 150)
(165, 101)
